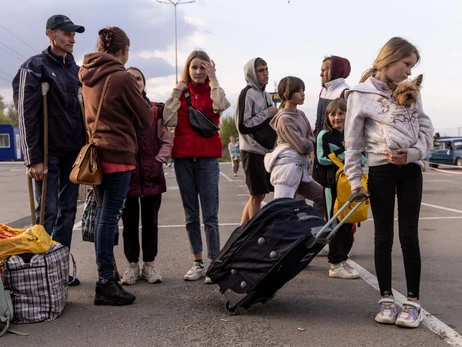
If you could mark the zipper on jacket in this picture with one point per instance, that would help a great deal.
(140, 173)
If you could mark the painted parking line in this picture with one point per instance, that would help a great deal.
(437, 181)
(226, 176)
(442, 208)
(79, 225)
(446, 333)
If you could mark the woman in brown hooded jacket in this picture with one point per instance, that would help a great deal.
(123, 111)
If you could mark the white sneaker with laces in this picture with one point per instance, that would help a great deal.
(352, 270)
(196, 272)
(342, 271)
(131, 274)
(410, 316)
(149, 273)
(387, 311)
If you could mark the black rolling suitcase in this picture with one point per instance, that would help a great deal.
(269, 250)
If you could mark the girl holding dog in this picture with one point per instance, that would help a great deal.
(396, 139)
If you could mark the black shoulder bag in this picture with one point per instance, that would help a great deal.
(199, 121)
(266, 136)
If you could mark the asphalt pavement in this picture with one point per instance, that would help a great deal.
(310, 310)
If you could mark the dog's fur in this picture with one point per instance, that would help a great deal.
(407, 92)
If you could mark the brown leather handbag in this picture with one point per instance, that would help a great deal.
(86, 168)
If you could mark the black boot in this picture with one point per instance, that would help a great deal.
(110, 292)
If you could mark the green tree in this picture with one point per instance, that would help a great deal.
(4, 119)
(227, 128)
(8, 113)
(2, 104)
(12, 114)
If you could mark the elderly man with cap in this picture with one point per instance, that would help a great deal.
(66, 131)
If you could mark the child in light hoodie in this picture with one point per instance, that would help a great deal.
(289, 163)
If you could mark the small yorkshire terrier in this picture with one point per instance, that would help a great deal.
(407, 91)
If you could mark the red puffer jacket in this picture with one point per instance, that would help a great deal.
(187, 143)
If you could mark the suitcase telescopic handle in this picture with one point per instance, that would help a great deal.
(357, 196)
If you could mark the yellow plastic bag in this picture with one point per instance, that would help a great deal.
(16, 241)
(344, 191)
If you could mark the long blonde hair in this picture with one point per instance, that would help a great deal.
(395, 49)
(185, 76)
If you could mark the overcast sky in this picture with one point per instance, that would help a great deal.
(293, 37)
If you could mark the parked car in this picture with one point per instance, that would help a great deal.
(449, 151)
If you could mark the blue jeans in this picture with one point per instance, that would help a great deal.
(61, 200)
(111, 194)
(198, 179)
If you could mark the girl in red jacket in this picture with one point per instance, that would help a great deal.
(196, 158)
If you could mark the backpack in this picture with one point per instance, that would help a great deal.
(264, 134)
(344, 191)
(6, 309)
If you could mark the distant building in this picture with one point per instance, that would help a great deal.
(10, 147)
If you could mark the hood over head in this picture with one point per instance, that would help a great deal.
(340, 67)
(97, 66)
(250, 74)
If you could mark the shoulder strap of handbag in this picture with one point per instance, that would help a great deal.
(335, 160)
(103, 93)
(188, 98)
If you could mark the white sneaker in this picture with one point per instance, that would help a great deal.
(131, 274)
(196, 272)
(352, 270)
(208, 280)
(387, 311)
(342, 271)
(410, 316)
(149, 273)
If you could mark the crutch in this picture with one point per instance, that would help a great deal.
(45, 87)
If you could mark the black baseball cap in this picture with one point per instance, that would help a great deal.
(59, 21)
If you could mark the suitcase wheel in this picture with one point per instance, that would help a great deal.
(232, 310)
(267, 299)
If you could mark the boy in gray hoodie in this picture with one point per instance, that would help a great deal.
(254, 111)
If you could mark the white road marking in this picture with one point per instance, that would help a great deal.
(422, 218)
(437, 181)
(79, 225)
(447, 334)
(226, 176)
(442, 208)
